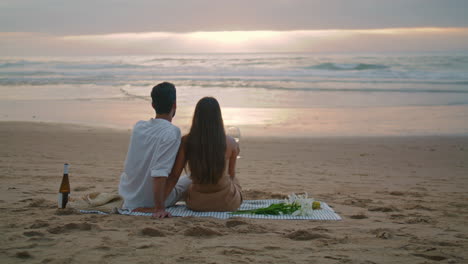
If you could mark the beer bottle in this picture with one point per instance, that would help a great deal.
(64, 188)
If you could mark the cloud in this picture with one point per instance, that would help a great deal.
(114, 16)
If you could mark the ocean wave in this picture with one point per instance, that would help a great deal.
(29, 73)
(347, 66)
(183, 60)
(99, 66)
(253, 82)
(132, 95)
(226, 59)
(47, 78)
(312, 89)
(373, 90)
(19, 63)
(70, 65)
(108, 80)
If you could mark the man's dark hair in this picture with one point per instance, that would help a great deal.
(163, 96)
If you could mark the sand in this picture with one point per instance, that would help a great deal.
(402, 199)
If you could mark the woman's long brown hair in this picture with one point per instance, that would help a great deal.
(206, 143)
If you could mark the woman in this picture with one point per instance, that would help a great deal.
(211, 158)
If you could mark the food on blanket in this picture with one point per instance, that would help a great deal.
(316, 205)
(306, 208)
(64, 189)
(296, 205)
(273, 209)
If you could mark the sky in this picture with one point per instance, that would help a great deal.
(117, 27)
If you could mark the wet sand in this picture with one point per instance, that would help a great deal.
(402, 200)
(254, 121)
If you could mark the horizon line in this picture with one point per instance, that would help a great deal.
(375, 30)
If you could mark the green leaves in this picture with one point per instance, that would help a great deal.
(273, 209)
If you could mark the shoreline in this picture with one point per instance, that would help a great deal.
(255, 122)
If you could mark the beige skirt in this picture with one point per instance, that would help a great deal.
(224, 196)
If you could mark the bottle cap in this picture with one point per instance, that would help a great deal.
(65, 168)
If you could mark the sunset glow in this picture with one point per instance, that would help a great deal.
(234, 37)
(330, 40)
(238, 37)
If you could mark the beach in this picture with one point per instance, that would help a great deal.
(351, 117)
(382, 138)
(402, 199)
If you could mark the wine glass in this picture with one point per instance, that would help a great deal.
(234, 132)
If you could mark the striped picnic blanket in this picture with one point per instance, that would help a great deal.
(325, 213)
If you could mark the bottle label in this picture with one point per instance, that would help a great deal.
(60, 200)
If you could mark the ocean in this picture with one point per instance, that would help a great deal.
(262, 82)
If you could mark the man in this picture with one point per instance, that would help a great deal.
(151, 154)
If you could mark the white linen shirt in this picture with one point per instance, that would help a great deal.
(151, 153)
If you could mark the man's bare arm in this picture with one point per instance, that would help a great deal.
(159, 185)
(177, 169)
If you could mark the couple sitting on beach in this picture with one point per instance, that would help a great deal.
(157, 155)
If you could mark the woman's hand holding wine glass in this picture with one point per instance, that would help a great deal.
(234, 132)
